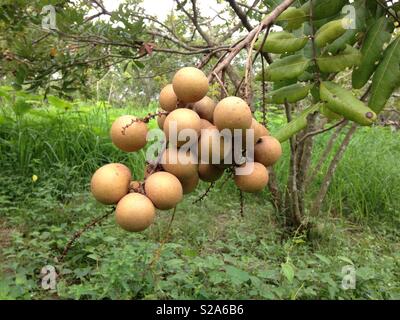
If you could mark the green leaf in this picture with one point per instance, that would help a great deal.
(5, 94)
(343, 102)
(59, 103)
(281, 42)
(286, 68)
(288, 271)
(296, 125)
(237, 276)
(345, 259)
(292, 93)
(21, 107)
(376, 37)
(324, 259)
(346, 59)
(386, 78)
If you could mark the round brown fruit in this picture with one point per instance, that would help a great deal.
(168, 99)
(267, 151)
(209, 173)
(135, 212)
(205, 108)
(232, 113)
(259, 130)
(205, 124)
(255, 181)
(180, 163)
(190, 84)
(212, 145)
(161, 120)
(131, 139)
(110, 183)
(164, 190)
(189, 184)
(184, 119)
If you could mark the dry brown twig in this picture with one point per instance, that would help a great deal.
(250, 36)
(79, 233)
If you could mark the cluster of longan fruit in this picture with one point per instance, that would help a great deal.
(186, 104)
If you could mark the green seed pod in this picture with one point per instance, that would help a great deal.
(330, 115)
(286, 68)
(292, 18)
(281, 42)
(296, 125)
(292, 93)
(342, 101)
(330, 31)
(335, 63)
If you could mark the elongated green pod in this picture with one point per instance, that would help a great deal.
(292, 93)
(335, 63)
(286, 68)
(324, 8)
(343, 102)
(377, 35)
(292, 18)
(330, 31)
(281, 42)
(347, 38)
(386, 78)
(296, 125)
(330, 115)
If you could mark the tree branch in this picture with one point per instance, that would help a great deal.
(250, 36)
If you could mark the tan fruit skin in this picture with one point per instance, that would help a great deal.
(209, 173)
(267, 151)
(205, 124)
(179, 170)
(259, 130)
(254, 182)
(185, 119)
(206, 143)
(164, 190)
(134, 138)
(190, 184)
(168, 100)
(135, 212)
(232, 113)
(190, 84)
(161, 120)
(205, 108)
(110, 183)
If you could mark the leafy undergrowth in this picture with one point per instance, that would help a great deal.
(211, 252)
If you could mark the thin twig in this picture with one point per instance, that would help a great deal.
(205, 194)
(79, 233)
(294, 196)
(325, 154)
(145, 119)
(331, 171)
(250, 36)
(221, 84)
(157, 254)
(316, 132)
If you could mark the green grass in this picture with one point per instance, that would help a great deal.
(212, 252)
